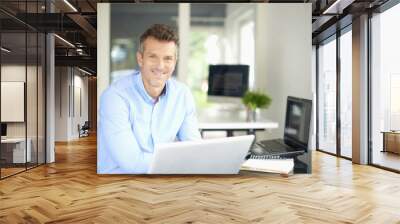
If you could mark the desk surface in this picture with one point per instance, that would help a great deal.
(13, 140)
(238, 125)
(231, 120)
(391, 132)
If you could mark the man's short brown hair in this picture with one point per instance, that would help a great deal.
(160, 32)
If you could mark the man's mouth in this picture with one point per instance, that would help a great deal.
(158, 73)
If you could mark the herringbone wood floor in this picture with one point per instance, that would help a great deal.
(70, 191)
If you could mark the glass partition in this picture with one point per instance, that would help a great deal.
(22, 90)
(14, 152)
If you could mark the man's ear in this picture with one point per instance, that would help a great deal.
(139, 58)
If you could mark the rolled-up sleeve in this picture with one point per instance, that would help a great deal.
(117, 137)
(189, 129)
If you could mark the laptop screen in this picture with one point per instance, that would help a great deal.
(297, 122)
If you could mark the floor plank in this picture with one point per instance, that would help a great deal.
(70, 191)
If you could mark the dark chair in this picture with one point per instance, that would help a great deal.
(84, 130)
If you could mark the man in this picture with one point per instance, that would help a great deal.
(145, 108)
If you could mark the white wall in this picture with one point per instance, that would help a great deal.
(33, 125)
(283, 56)
(12, 101)
(12, 73)
(79, 117)
(61, 103)
(70, 84)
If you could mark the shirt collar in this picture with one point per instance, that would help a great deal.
(143, 92)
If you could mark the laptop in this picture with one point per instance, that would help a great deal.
(296, 132)
(209, 156)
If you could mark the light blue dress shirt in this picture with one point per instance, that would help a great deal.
(132, 123)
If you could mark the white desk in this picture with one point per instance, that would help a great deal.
(18, 149)
(229, 127)
(231, 121)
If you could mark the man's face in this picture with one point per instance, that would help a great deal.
(157, 62)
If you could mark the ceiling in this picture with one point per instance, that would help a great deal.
(76, 22)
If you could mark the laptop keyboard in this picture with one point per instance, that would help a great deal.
(274, 146)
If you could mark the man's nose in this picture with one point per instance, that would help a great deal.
(160, 64)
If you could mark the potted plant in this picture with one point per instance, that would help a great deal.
(253, 100)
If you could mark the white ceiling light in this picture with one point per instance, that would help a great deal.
(337, 7)
(84, 71)
(5, 49)
(65, 41)
(70, 5)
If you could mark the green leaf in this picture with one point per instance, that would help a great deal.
(256, 99)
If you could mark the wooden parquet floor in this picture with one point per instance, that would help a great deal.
(70, 191)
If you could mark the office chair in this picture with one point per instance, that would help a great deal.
(84, 130)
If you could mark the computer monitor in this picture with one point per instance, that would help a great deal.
(228, 80)
(3, 129)
(297, 122)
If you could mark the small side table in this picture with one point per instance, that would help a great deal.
(391, 141)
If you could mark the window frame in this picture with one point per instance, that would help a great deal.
(336, 36)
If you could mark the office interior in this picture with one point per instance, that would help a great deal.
(221, 34)
(340, 54)
(29, 58)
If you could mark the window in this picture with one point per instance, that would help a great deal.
(335, 74)
(206, 47)
(225, 38)
(346, 94)
(385, 84)
(327, 96)
(394, 101)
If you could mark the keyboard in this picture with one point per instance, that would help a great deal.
(274, 146)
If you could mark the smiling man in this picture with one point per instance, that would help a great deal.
(145, 108)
